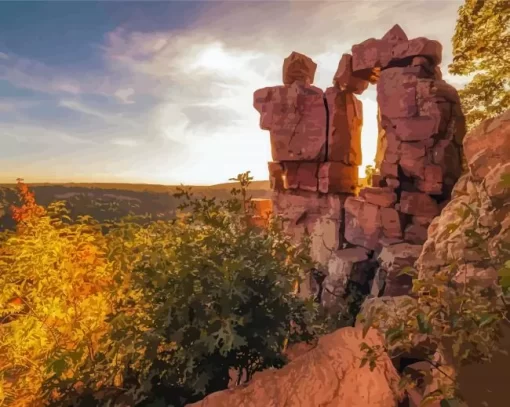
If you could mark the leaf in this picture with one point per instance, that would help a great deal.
(59, 366)
(408, 270)
(431, 398)
(393, 334)
(488, 319)
(423, 324)
(505, 180)
(368, 323)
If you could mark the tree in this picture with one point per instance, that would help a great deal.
(481, 47)
(55, 282)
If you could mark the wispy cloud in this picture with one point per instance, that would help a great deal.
(125, 142)
(183, 97)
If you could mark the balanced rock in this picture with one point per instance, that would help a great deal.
(295, 116)
(298, 67)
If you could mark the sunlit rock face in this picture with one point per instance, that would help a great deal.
(316, 150)
(327, 375)
(296, 119)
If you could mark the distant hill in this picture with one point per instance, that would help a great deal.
(106, 201)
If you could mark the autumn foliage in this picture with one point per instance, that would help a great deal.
(55, 278)
(129, 313)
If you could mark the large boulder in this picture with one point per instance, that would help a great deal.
(295, 116)
(327, 376)
(478, 216)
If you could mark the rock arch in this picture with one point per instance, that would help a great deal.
(316, 151)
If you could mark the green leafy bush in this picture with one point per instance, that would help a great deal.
(197, 299)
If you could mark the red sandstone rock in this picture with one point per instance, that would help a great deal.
(497, 190)
(424, 62)
(389, 169)
(345, 122)
(327, 375)
(395, 35)
(413, 167)
(392, 183)
(341, 266)
(414, 128)
(422, 220)
(396, 93)
(415, 234)
(369, 54)
(262, 206)
(336, 177)
(418, 204)
(447, 156)
(392, 223)
(300, 175)
(294, 205)
(362, 223)
(298, 67)
(393, 143)
(262, 103)
(414, 150)
(377, 53)
(275, 175)
(433, 180)
(376, 180)
(392, 260)
(325, 237)
(295, 115)
(384, 197)
(418, 47)
(262, 210)
(488, 145)
(344, 79)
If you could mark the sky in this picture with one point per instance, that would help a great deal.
(162, 92)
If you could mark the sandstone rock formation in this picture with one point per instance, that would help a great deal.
(327, 375)
(316, 151)
(487, 150)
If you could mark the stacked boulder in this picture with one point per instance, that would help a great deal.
(422, 127)
(316, 151)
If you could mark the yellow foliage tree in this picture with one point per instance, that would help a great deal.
(55, 281)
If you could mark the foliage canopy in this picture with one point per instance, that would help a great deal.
(481, 47)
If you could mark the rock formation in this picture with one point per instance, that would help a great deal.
(316, 151)
(327, 375)
(487, 150)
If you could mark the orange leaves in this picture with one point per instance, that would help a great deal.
(29, 209)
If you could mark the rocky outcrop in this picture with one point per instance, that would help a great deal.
(316, 151)
(475, 224)
(327, 375)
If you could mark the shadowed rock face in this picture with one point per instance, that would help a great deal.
(487, 149)
(328, 375)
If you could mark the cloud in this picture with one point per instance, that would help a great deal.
(194, 86)
(124, 95)
(125, 142)
(3, 56)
